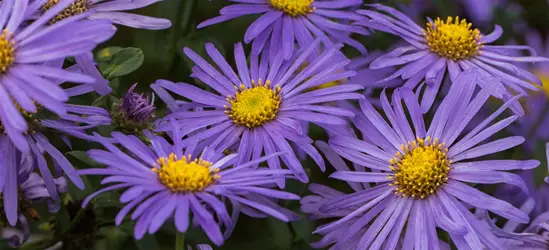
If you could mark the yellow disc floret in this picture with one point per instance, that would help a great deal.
(255, 106)
(453, 38)
(293, 7)
(421, 170)
(184, 174)
(77, 7)
(7, 50)
(544, 77)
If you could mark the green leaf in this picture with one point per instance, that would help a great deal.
(105, 55)
(62, 221)
(109, 199)
(114, 62)
(101, 101)
(147, 243)
(113, 238)
(83, 157)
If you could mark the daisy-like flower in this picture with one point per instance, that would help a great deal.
(134, 112)
(369, 78)
(449, 45)
(20, 188)
(111, 10)
(533, 124)
(534, 235)
(419, 173)
(24, 82)
(167, 181)
(200, 247)
(75, 123)
(261, 108)
(323, 194)
(285, 23)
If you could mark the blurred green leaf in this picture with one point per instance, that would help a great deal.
(147, 243)
(62, 221)
(114, 238)
(83, 157)
(114, 62)
(101, 101)
(105, 200)
(105, 55)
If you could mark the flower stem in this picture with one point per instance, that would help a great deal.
(179, 241)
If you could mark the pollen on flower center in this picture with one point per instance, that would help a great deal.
(453, 38)
(544, 77)
(421, 170)
(77, 7)
(7, 51)
(293, 7)
(184, 174)
(254, 106)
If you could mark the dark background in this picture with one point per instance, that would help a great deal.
(162, 56)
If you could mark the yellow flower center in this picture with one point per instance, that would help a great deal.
(254, 106)
(293, 7)
(544, 77)
(453, 38)
(7, 51)
(328, 85)
(421, 170)
(185, 174)
(77, 7)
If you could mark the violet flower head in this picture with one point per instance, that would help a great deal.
(134, 112)
(534, 235)
(108, 10)
(26, 83)
(200, 247)
(449, 46)
(75, 123)
(285, 23)
(323, 195)
(168, 181)
(20, 188)
(111, 10)
(420, 173)
(533, 125)
(262, 107)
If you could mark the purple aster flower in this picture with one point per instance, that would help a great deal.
(169, 181)
(24, 82)
(323, 195)
(533, 125)
(20, 188)
(451, 46)
(283, 23)
(111, 10)
(261, 108)
(534, 235)
(134, 112)
(419, 173)
(200, 247)
(370, 78)
(75, 123)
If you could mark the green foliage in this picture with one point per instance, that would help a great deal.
(144, 56)
(115, 61)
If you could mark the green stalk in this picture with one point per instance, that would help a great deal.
(179, 241)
